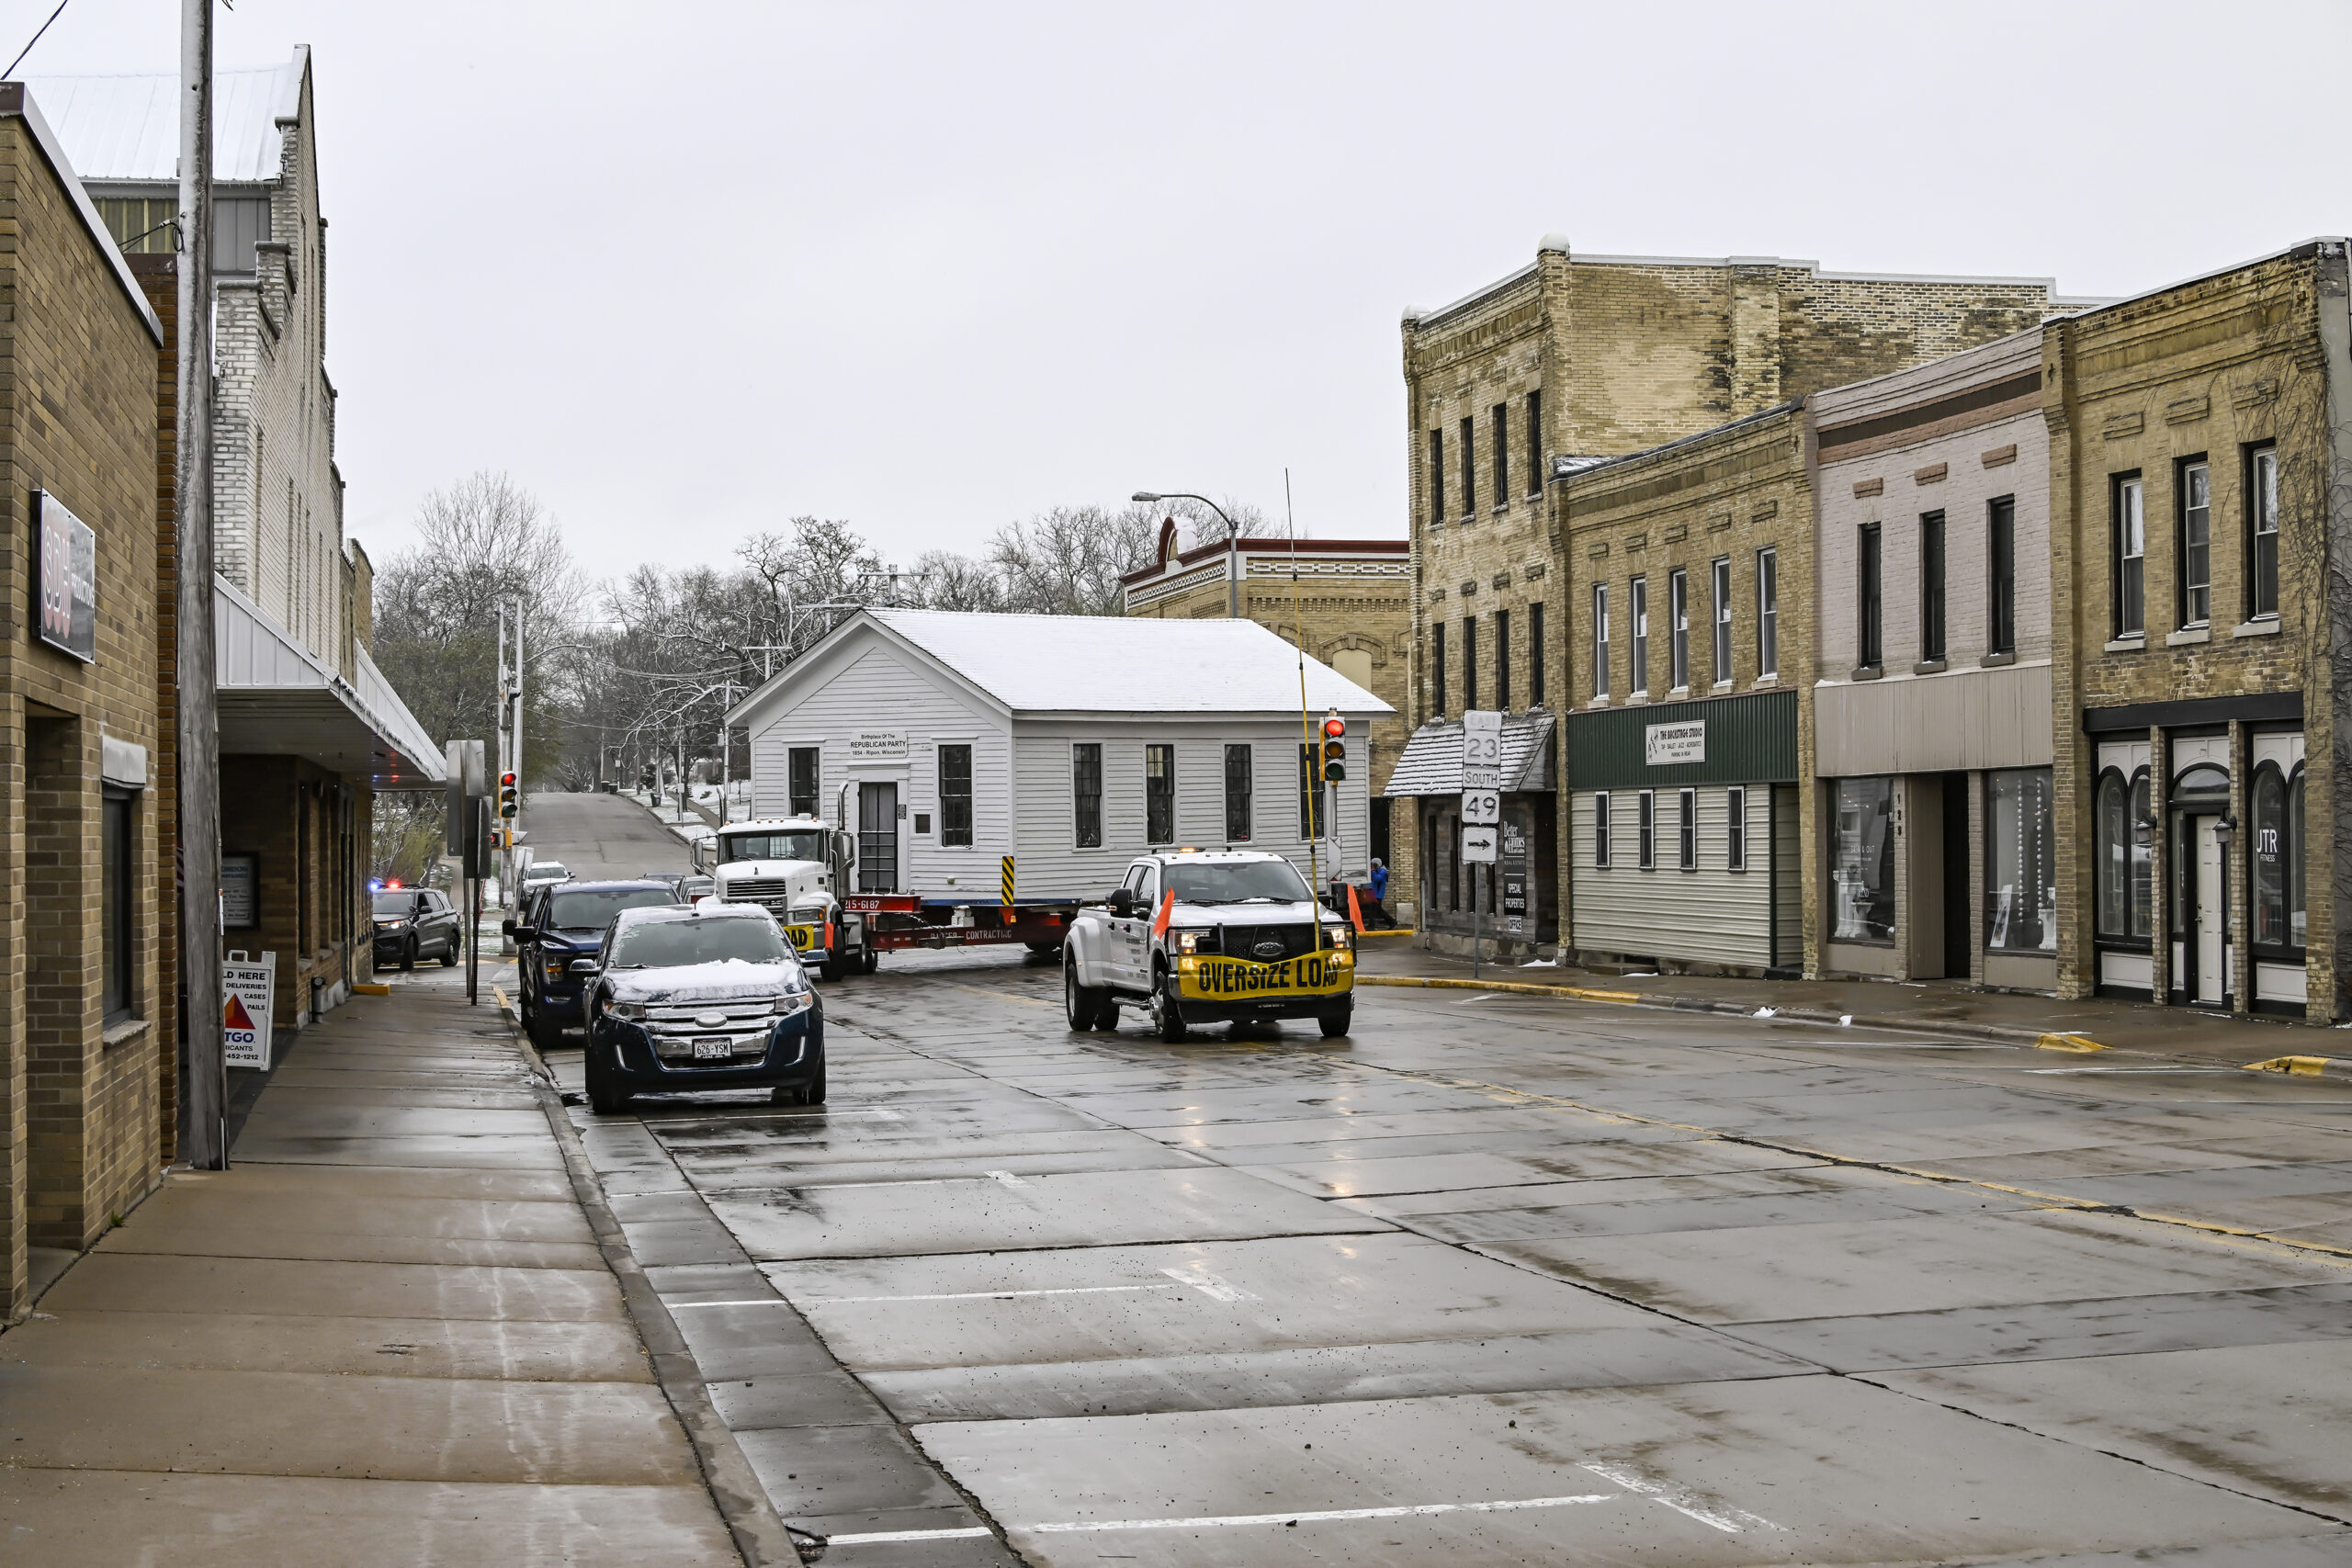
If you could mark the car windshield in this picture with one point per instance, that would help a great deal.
(667, 944)
(395, 906)
(1236, 882)
(545, 870)
(801, 843)
(574, 911)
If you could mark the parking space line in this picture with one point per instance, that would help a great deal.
(1731, 1521)
(1000, 1296)
(877, 1538)
(1417, 1510)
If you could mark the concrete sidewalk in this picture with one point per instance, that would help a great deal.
(390, 1334)
(1933, 1005)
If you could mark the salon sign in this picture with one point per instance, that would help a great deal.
(1665, 745)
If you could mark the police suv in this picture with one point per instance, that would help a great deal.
(1208, 936)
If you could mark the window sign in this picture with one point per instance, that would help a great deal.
(1512, 867)
(1666, 744)
(68, 589)
(240, 891)
(1862, 880)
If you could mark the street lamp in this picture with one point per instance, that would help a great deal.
(1232, 544)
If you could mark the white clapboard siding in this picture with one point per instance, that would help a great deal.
(1712, 915)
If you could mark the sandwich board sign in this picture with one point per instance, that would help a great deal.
(248, 989)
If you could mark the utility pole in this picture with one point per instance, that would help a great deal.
(207, 1145)
(514, 728)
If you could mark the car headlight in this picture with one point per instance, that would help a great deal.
(627, 1012)
(793, 1002)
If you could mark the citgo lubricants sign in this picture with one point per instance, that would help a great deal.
(248, 990)
(1210, 978)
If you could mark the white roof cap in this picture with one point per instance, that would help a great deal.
(127, 127)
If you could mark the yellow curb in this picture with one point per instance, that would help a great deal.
(368, 990)
(2305, 1066)
(1364, 936)
(1578, 992)
(2076, 1043)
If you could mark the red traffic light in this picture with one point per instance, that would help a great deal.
(507, 781)
(1334, 726)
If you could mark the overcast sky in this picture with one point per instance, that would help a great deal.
(688, 270)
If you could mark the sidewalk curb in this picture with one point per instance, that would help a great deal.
(2305, 1066)
(1994, 1031)
(671, 827)
(758, 1533)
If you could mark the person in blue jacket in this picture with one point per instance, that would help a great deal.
(1379, 882)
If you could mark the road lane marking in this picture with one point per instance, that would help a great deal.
(761, 1302)
(1413, 1511)
(1731, 1521)
(996, 1295)
(1007, 1178)
(1208, 1284)
(875, 1538)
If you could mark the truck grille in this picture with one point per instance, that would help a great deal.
(1241, 941)
(771, 894)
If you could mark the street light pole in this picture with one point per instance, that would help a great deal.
(1232, 543)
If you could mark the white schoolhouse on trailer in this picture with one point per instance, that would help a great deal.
(946, 740)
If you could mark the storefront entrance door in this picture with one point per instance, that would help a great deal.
(2210, 925)
(878, 838)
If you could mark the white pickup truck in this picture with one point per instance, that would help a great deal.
(1243, 941)
(794, 867)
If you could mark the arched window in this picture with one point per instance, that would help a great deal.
(2273, 849)
(2122, 850)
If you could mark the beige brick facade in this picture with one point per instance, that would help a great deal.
(80, 1091)
(2154, 403)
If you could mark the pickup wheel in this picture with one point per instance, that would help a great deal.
(1167, 1016)
(1335, 1019)
(1087, 1006)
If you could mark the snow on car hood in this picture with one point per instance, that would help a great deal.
(728, 979)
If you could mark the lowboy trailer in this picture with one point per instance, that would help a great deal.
(901, 923)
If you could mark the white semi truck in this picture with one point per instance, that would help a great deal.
(793, 867)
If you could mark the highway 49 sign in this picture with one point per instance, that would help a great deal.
(1481, 807)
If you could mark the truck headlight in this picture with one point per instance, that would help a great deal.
(1335, 936)
(1189, 942)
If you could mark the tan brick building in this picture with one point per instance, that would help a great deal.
(2197, 497)
(1589, 356)
(85, 1042)
(1351, 596)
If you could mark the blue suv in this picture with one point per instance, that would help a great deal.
(561, 922)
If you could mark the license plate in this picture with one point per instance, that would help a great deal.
(713, 1050)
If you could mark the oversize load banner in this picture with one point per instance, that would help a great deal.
(803, 937)
(1237, 979)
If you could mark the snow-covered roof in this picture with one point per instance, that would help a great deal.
(1105, 664)
(1433, 760)
(127, 127)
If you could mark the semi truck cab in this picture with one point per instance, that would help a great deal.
(793, 867)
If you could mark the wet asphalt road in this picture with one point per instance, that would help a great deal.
(1504, 1280)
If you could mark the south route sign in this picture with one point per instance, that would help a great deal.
(1482, 751)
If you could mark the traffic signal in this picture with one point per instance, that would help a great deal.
(508, 791)
(1335, 750)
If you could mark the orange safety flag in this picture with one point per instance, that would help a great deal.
(1355, 914)
(1167, 906)
(235, 1015)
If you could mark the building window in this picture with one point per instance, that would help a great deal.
(1931, 585)
(1502, 661)
(1469, 662)
(1238, 812)
(1437, 669)
(1645, 830)
(1159, 794)
(1640, 680)
(1600, 642)
(1535, 444)
(800, 770)
(2121, 850)
(1499, 436)
(1678, 624)
(1600, 829)
(1863, 874)
(2277, 845)
(1535, 659)
(1469, 469)
(1767, 612)
(1437, 478)
(1687, 834)
(2262, 531)
(1314, 809)
(956, 796)
(1870, 612)
(1736, 828)
(2130, 617)
(2001, 600)
(119, 947)
(2020, 862)
(2194, 486)
(1086, 791)
(1719, 589)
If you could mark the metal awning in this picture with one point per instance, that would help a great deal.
(1433, 760)
(276, 699)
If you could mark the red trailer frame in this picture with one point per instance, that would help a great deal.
(895, 922)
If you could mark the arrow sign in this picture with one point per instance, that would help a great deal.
(1478, 846)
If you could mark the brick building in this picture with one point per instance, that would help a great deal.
(1931, 684)
(1597, 356)
(85, 1036)
(309, 728)
(1351, 594)
(2197, 497)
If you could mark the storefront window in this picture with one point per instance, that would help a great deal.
(2020, 862)
(1864, 873)
(2123, 856)
(2277, 853)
